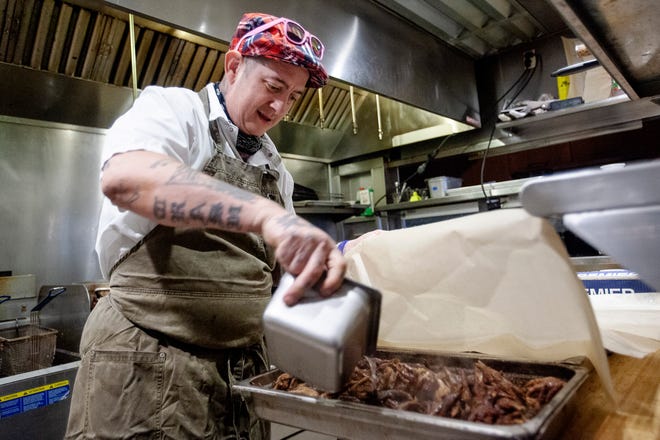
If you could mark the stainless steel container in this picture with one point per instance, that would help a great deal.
(359, 421)
(320, 340)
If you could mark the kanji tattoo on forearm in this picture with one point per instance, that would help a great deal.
(216, 215)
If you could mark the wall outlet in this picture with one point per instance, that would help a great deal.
(529, 59)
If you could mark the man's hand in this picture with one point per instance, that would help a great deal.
(306, 252)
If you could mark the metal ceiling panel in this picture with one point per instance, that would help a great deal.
(476, 27)
(366, 45)
(463, 12)
(498, 9)
(623, 35)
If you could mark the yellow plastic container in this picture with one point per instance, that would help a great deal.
(563, 84)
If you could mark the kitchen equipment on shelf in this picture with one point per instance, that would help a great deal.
(438, 186)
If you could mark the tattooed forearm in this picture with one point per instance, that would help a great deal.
(197, 213)
(216, 215)
(184, 175)
(291, 221)
(234, 217)
(160, 209)
(177, 212)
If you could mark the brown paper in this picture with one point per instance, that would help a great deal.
(629, 323)
(499, 283)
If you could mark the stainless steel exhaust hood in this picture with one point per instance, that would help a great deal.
(51, 45)
(366, 46)
(413, 57)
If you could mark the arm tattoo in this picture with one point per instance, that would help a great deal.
(160, 163)
(178, 212)
(197, 213)
(160, 208)
(291, 221)
(233, 217)
(216, 214)
(184, 175)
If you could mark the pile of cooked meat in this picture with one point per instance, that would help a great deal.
(480, 394)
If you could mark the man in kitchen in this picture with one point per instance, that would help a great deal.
(197, 217)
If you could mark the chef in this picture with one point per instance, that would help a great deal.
(197, 217)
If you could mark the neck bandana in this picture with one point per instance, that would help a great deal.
(246, 144)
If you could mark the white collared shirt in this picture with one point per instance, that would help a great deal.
(169, 121)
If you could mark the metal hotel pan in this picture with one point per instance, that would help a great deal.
(358, 421)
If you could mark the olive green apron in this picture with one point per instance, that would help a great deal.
(182, 322)
(202, 287)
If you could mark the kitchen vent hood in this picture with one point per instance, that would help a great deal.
(90, 41)
(81, 52)
(70, 61)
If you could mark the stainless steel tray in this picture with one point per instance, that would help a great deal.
(365, 422)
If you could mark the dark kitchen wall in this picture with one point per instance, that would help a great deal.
(497, 74)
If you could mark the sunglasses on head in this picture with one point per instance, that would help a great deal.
(294, 32)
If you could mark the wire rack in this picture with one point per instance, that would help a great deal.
(26, 348)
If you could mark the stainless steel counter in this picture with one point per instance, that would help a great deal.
(458, 202)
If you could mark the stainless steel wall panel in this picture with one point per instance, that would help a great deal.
(49, 180)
